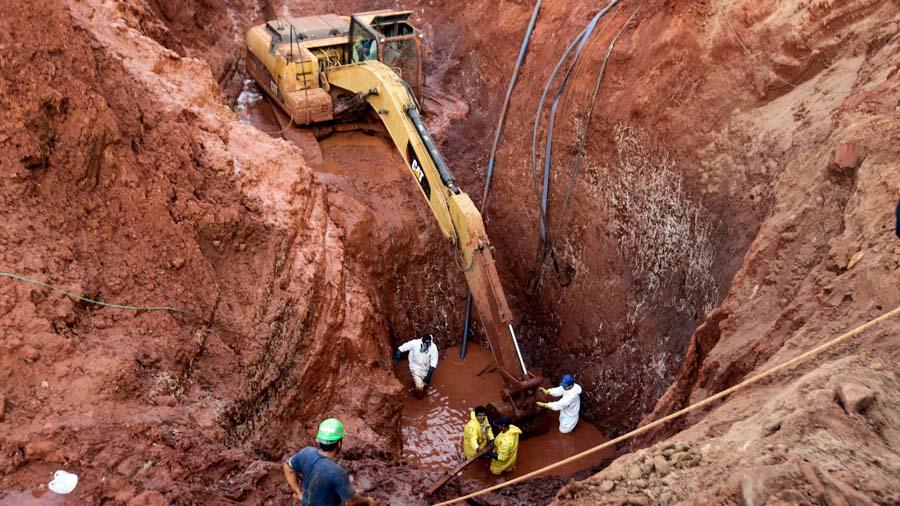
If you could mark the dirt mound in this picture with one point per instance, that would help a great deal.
(733, 209)
(127, 178)
(817, 127)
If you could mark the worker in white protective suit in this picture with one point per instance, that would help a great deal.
(568, 405)
(423, 359)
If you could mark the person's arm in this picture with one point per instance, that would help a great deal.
(433, 356)
(291, 477)
(470, 438)
(406, 346)
(556, 391)
(562, 403)
(345, 491)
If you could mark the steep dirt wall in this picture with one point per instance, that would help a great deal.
(828, 136)
(126, 178)
(658, 282)
(642, 250)
(824, 261)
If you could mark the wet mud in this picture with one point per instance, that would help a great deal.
(126, 176)
(34, 497)
(432, 427)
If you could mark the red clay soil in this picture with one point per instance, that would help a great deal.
(709, 196)
(127, 178)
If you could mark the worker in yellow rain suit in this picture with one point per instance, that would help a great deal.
(477, 433)
(506, 446)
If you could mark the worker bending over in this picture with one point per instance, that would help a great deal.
(506, 446)
(568, 404)
(477, 433)
(423, 358)
(324, 482)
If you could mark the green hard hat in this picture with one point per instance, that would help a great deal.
(331, 430)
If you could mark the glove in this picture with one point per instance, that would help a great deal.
(397, 356)
(545, 391)
(543, 404)
(428, 375)
(492, 455)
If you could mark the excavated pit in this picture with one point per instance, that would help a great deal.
(731, 210)
(363, 164)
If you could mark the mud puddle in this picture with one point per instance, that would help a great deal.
(33, 497)
(432, 427)
(351, 161)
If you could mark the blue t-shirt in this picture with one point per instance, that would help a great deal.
(325, 483)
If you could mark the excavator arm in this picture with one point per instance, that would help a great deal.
(457, 217)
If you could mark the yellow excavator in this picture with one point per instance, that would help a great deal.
(329, 68)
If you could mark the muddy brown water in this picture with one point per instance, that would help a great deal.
(34, 497)
(432, 427)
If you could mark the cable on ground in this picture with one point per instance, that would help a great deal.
(771, 72)
(656, 423)
(192, 317)
(86, 299)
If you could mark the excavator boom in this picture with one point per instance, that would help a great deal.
(323, 69)
(458, 218)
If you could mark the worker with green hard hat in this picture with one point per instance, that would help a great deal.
(314, 476)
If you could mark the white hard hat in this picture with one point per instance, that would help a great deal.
(63, 482)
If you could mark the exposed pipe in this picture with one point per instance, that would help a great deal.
(466, 327)
(518, 351)
(492, 159)
(512, 83)
(548, 152)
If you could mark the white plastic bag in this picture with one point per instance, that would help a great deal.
(63, 482)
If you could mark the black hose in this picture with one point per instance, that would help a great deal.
(582, 39)
(492, 159)
(466, 327)
(446, 176)
(509, 90)
(579, 147)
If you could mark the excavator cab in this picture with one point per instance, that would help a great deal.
(388, 37)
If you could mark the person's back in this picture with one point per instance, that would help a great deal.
(318, 480)
(506, 449)
(325, 482)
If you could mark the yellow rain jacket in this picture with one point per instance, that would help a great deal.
(507, 446)
(475, 435)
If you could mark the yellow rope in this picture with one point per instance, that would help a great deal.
(656, 423)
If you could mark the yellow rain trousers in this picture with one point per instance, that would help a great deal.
(475, 435)
(507, 446)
